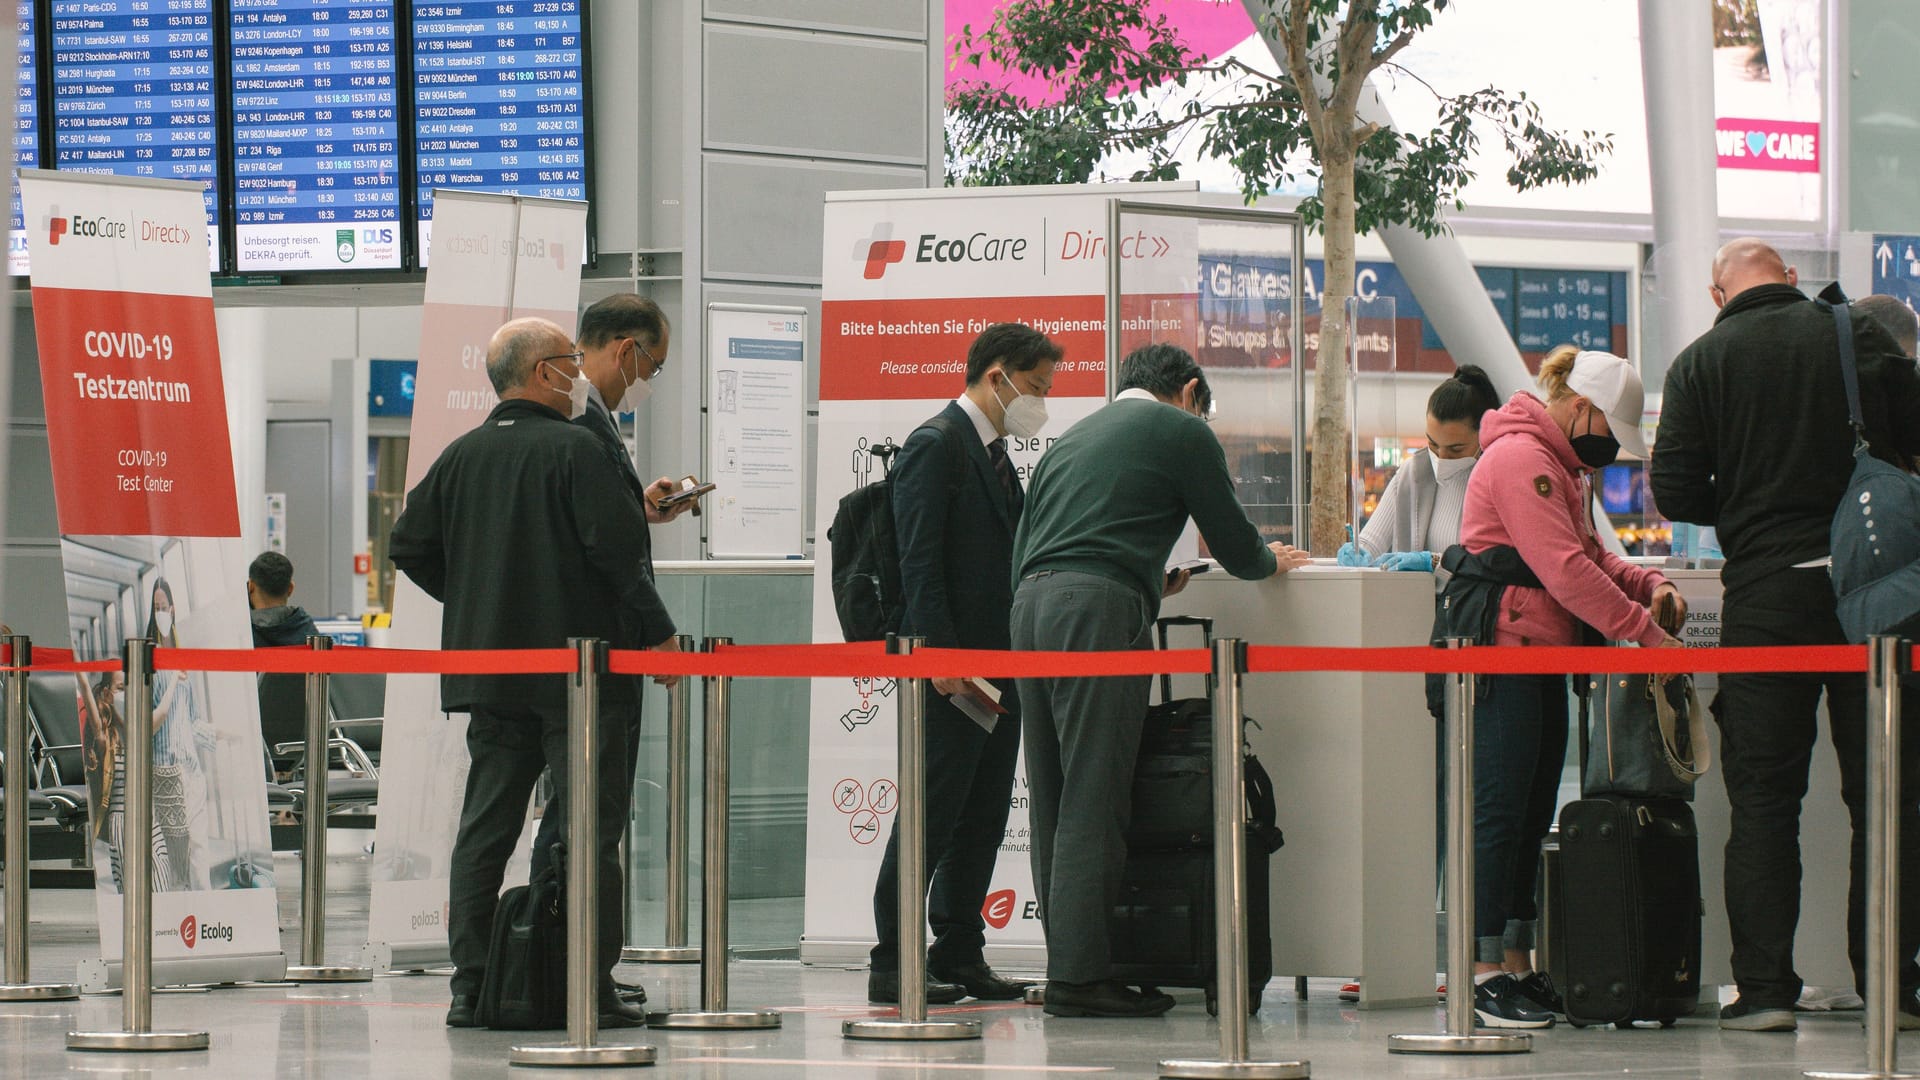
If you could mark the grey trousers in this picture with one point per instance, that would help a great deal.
(1082, 737)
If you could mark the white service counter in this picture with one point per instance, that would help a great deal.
(1352, 758)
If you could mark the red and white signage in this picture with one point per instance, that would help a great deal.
(909, 280)
(129, 363)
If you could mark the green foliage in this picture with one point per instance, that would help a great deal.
(1092, 53)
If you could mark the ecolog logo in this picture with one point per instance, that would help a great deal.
(998, 910)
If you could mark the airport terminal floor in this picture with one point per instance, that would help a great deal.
(393, 1026)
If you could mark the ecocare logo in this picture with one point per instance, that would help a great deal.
(78, 225)
(1769, 145)
(880, 250)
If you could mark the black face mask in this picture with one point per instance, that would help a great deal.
(1595, 451)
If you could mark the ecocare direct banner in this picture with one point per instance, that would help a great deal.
(143, 485)
(907, 284)
(495, 258)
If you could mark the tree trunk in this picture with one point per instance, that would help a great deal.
(1329, 513)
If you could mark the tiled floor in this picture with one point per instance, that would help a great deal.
(393, 1027)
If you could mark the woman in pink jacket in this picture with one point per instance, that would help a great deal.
(1531, 493)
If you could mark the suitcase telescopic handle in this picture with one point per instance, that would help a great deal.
(1161, 625)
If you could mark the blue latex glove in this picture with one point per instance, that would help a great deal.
(1352, 554)
(1406, 560)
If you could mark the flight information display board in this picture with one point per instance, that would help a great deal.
(133, 93)
(316, 133)
(500, 100)
(26, 133)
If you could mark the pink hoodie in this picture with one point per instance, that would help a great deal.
(1525, 492)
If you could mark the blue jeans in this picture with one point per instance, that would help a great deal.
(1519, 750)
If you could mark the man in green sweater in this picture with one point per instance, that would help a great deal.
(1106, 505)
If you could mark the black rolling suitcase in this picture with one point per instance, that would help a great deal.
(1628, 910)
(1162, 926)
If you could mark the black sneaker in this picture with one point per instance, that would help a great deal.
(1498, 1003)
(1743, 1016)
(1538, 988)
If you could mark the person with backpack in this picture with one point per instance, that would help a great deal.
(1754, 440)
(956, 501)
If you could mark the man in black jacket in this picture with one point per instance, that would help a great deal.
(956, 503)
(524, 530)
(1754, 440)
(276, 620)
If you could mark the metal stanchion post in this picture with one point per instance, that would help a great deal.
(17, 987)
(1887, 660)
(1460, 1038)
(583, 871)
(1230, 886)
(136, 885)
(679, 760)
(713, 1012)
(911, 824)
(313, 967)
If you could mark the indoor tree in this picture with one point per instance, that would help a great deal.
(1302, 125)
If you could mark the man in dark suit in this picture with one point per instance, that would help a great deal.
(524, 530)
(623, 346)
(956, 504)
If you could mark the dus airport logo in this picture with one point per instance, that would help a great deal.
(880, 250)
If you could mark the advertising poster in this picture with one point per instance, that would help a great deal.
(1769, 88)
(756, 431)
(908, 283)
(495, 258)
(143, 486)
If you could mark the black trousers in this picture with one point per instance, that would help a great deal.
(1767, 731)
(969, 790)
(510, 747)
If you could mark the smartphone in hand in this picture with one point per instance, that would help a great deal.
(690, 488)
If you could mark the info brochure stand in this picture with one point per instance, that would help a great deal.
(18, 985)
(136, 886)
(679, 760)
(313, 967)
(713, 1013)
(583, 886)
(1230, 910)
(1888, 658)
(911, 826)
(1460, 1037)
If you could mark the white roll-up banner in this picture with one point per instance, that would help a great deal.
(495, 258)
(150, 543)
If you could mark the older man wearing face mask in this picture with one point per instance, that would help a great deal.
(525, 531)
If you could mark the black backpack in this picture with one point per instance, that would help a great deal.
(867, 595)
(525, 988)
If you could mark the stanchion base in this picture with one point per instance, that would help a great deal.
(1829, 1075)
(664, 954)
(39, 992)
(730, 1020)
(581, 1057)
(136, 1041)
(900, 1030)
(1037, 995)
(1235, 1070)
(328, 973)
(1459, 1044)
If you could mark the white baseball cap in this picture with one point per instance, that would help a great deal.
(1613, 385)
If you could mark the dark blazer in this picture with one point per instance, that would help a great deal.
(525, 531)
(955, 529)
(598, 422)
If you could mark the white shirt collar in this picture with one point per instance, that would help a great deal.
(981, 425)
(1136, 394)
(594, 395)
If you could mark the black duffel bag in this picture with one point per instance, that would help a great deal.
(1173, 774)
(525, 988)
